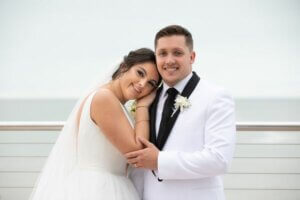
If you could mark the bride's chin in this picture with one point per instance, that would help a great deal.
(130, 97)
(133, 95)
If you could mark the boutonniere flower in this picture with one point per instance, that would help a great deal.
(181, 103)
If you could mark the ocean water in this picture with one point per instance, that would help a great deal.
(58, 109)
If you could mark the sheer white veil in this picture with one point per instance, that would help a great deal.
(63, 157)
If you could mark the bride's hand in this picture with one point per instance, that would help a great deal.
(146, 100)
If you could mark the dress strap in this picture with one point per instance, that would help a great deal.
(128, 115)
(86, 110)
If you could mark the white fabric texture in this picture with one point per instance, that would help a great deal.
(84, 165)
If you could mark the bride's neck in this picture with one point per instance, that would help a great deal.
(115, 87)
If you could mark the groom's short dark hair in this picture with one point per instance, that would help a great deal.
(175, 30)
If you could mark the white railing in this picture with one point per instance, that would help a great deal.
(57, 126)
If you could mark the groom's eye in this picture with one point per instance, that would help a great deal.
(177, 53)
(162, 53)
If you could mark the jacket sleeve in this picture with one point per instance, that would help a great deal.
(216, 155)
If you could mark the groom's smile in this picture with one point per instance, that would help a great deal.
(171, 69)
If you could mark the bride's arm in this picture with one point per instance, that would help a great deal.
(107, 113)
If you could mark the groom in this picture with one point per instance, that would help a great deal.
(192, 128)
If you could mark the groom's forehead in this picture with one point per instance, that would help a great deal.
(170, 42)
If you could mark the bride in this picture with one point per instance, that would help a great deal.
(86, 162)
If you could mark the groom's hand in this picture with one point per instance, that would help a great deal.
(144, 158)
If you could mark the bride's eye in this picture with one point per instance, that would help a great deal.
(140, 73)
(153, 84)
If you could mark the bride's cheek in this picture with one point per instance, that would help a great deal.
(146, 92)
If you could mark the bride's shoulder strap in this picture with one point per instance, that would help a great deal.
(79, 113)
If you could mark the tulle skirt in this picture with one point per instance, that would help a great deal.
(86, 184)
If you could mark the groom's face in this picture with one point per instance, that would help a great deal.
(174, 58)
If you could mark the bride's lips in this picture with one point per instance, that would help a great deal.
(136, 89)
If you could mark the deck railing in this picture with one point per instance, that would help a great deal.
(58, 125)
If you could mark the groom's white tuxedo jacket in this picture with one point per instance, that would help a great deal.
(198, 150)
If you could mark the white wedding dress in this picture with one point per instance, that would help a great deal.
(100, 169)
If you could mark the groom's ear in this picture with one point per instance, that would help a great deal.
(192, 57)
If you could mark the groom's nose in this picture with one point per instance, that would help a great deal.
(170, 60)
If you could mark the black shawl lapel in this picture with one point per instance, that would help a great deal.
(152, 113)
(187, 91)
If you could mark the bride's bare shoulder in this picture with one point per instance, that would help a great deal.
(105, 106)
(105, 98)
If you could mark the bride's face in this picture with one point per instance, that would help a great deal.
(139, 80)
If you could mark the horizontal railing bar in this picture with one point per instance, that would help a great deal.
(31, 126)
(58, 125)
(235, 173)
(268, 126)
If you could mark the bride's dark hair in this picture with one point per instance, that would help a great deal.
(138, 56)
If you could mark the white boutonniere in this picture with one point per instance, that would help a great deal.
(181, 103)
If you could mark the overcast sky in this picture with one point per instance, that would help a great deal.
(56, 49)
